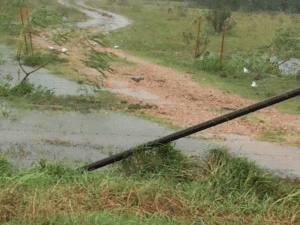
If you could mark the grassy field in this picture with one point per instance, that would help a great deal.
(160, 32)
(160, 186)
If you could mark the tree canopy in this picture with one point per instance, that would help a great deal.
(266, 5)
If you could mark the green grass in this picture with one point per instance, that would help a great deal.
(159, 186)
(11, 22)
(280, 136)
(252, 117)
(166, 122)
(159, 36)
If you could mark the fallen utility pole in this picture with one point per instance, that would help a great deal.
(196, 128)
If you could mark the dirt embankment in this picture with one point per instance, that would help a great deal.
(183, 99)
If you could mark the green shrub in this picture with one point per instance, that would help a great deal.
(4, 88)
(7, 169)
(258, 63)
(23, 89)
(207, 62)
(230, 175)
(44, 17)
(233, 64)
(41, 58)
(217, 16)
(7, 26)
(287, 42)
(59, 170)
(162, 160)
(98, 60)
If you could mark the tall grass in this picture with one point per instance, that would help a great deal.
(158, 186)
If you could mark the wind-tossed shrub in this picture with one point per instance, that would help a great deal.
(44, 17)
(41, 58)
(24, 88)
(259, 63)
(161, 160)
(217, 16)
(208, 62)
(7, 169)
(287, 42)
(98, 60)
(231, 175)
(232, 64)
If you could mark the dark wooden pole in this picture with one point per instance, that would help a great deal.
(222, 45)
(197, 40)
(21, 14)
(29, 31)
(197, 128)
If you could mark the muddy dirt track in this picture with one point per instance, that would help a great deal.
(177, 96)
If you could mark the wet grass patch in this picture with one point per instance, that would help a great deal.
(136, 106)
(280, 136)
(252, 116)
(155, 186)
(166, 122)
(41, 99)
(39, 59)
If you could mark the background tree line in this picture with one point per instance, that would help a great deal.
(251, 5)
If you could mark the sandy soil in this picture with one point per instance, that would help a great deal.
(183, 99)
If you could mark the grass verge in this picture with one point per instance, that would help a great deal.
(280, 136)
(156, 186)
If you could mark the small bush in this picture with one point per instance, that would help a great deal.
(216, 17)
(230, 174)
(41, 58)
(233, 64)
(23, 89)
(4, 88)
(162, 160)
(260, 64)
(59, 170)
(98, 60)
(287, 42)
(208, 62)
(43, 17)
(7, 169)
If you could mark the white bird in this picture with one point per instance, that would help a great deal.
(50, 47)
(254, 84)
(64, 50)
(116, 46)
(245, 70)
